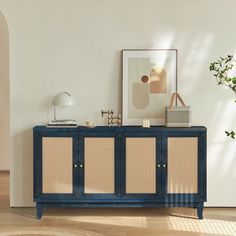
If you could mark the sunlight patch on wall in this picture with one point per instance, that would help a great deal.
(165, 42)
(196, 60)
(224, 119)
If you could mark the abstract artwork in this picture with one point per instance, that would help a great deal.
(149, 78)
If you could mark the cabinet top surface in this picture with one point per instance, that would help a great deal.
(117, 129)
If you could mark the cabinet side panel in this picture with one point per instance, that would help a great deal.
(140, 165)
(99, 157)
(57, 157)
(182, 165)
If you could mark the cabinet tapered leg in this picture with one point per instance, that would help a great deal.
(200, 212)
(39, 209)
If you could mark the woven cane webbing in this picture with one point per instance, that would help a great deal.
(57, 165)
(140, 165)
(182, 165)
(99, 165)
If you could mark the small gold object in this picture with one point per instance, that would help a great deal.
(90, 124)
(111, 118)
(146, 123)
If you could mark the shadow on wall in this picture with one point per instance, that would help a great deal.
(4, 96)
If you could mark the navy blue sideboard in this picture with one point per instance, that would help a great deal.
(124, 166)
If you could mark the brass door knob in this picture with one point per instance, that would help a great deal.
(75, 166)
(81, 165)
(158, 165)
(164, 165)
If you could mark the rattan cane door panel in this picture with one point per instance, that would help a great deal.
(182, 165)
(140, 165)
(57, 155)
(99, 172)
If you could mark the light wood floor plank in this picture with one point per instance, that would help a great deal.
(112, 222)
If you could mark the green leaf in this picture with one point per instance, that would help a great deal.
(212, 66)
(234, 80)
(231, 134)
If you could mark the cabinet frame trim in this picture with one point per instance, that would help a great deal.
(38, 144)
(200, 196)
(156, 197)
(100, 196)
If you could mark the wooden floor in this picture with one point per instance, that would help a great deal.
(112, 222)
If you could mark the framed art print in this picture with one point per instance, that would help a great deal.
(149, 79)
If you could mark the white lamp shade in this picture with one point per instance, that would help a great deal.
(63, 99)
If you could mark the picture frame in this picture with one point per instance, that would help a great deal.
(149, 79)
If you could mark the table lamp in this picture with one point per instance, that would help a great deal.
(62, 99)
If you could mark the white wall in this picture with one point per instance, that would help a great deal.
(4, 97)
(74, 45)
